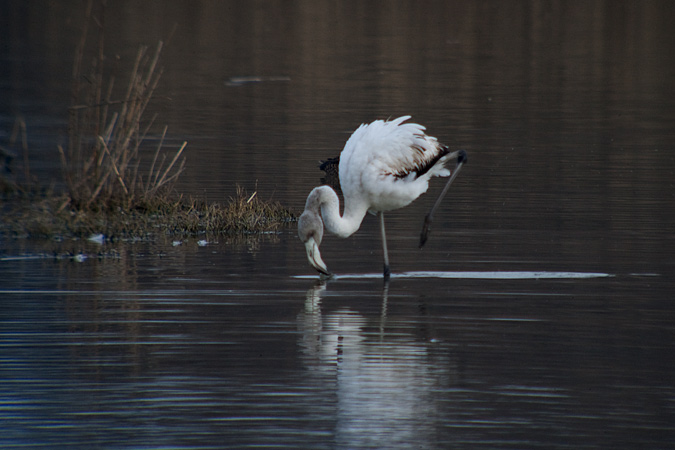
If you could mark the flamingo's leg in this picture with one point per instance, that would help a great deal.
(387, 272)
(461, 159)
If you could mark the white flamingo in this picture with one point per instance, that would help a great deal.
(384, 166)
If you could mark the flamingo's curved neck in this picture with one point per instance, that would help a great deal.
(327, 200)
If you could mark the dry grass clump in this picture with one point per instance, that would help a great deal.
(243, 214)
(46, 217)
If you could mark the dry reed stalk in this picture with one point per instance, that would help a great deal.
(159, 148)
(162, 181)
(117, 172)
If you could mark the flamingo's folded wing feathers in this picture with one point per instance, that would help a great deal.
(388, 164)
(402, 149)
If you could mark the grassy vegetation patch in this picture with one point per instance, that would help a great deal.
(116, 182)
(39, 215)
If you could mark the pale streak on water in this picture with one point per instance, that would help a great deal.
(539, 315)
(502, 275)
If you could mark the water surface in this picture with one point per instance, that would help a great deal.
(539, 315)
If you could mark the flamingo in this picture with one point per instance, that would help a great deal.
(385, 165)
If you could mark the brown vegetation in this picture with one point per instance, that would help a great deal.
(38, 215)
(110, 188)
(103, 165)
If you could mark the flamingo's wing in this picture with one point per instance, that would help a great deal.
(390, 162)
(397, 149)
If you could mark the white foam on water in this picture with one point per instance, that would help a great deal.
(476, 275)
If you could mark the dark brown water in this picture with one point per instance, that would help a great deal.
(540, 314)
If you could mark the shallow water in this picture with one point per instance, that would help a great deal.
(539, 314)
(175, 354)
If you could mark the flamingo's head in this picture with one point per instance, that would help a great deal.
(310, 231)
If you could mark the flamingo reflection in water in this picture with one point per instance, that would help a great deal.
(374, 376)
(385, 165)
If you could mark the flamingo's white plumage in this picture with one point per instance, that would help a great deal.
(385, 165)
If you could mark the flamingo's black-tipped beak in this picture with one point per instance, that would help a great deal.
(314, 257)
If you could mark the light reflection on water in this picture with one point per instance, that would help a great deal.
(501, 275)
